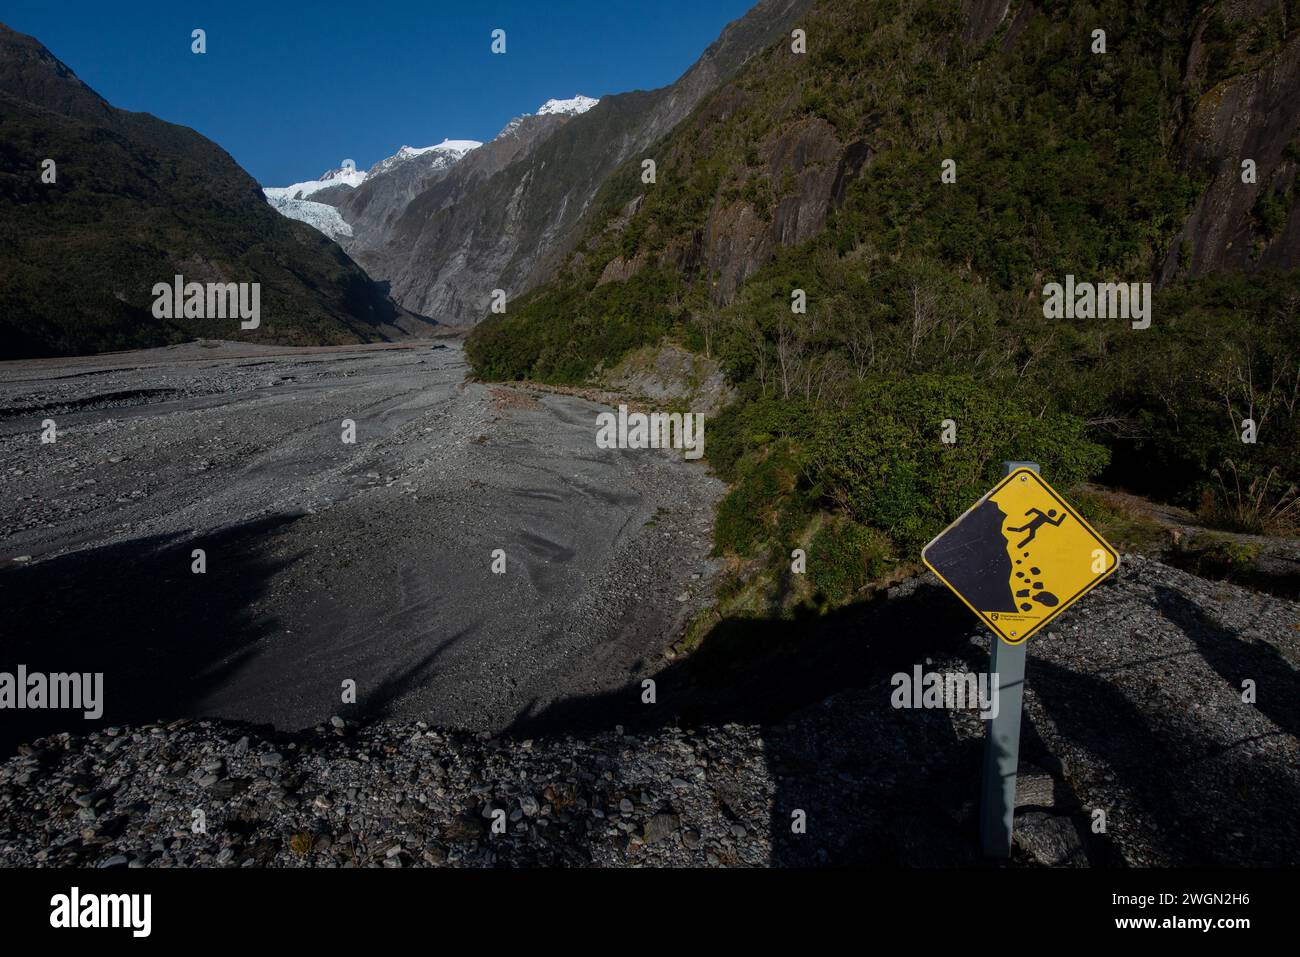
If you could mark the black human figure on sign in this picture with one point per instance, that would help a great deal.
(1032, 526)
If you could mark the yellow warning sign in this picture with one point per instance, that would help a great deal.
(1020, 556)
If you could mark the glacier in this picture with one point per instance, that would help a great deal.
(322, 216)
(292, 201)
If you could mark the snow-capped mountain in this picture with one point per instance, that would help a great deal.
(294, 202)
(342, 176)
(571, 107)
(443, 154)
(347, 175)
(419, 166)
(575, 106)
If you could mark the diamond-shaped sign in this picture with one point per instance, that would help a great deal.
(1020, 556)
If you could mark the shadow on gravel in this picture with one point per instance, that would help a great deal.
(162, 636)
(1213, 808)
(890, 787)
(1277, 683)
(878, 785)
(379, 702)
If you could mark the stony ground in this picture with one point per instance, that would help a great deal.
(328, 562)
(1134, 706)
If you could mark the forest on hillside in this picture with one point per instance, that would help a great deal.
(924, 297)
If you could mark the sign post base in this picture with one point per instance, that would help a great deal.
(1002, 749)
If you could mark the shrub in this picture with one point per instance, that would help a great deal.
(882, 461)
(564, 333)
(1255, 504)
(843, 557)
(749, 428)
(1211, 557)
(765, 506)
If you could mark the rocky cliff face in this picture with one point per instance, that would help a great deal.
(817, 166)
(483, 228)
(983, 17)
(388, 210)
(1243, 88)
(1250, 110)
(1252, 114)
(740, 235)
(390, 186)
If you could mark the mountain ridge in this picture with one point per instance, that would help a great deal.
(862, 237)
(507, 219)
(137, 201)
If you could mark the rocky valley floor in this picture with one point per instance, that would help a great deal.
(501, 719)
(330, 562)
(1133, 707)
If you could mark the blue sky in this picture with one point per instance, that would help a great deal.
(291, 89)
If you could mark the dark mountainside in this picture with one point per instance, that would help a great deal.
(137, 201)
(482, 227)
(821, 172)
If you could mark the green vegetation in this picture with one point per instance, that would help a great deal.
(601, 325)
(1221, 350)
(1259, 505)
(1221, 558)
(923, 299)
(137, 201)
(877, 462)
(849, 557)
(1125, 525)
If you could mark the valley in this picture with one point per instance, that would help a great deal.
(409, 573)
(328, 562)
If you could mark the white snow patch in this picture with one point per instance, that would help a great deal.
(448, 152)
(572, 107)
(343, 176)
(322, 216)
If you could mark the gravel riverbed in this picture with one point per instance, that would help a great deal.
(1134, 706)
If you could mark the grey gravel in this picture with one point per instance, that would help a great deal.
(1132, 705)
(326, 561)
(524, 694)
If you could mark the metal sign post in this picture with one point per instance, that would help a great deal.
(1002, 737)
(1017, 558)
(1002, 749)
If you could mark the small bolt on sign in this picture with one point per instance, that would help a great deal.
(1020, 556)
